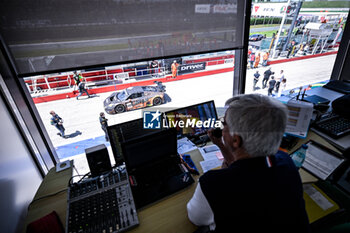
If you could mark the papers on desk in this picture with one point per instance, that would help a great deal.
(210, 164)
(299, 116)
(321, 161)
(185, 145)
(212, 157)
(323, 202)
(317, 203)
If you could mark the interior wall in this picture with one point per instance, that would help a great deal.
(19, 176)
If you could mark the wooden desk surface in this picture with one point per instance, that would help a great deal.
(167, 215)
(170, 214)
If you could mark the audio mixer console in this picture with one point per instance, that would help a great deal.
(101, 204)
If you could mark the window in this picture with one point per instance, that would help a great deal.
(200, 78)
(205, 59)
(305, 49)
(109, 44)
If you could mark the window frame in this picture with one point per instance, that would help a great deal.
(32, 129)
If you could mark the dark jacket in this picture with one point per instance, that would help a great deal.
(103, 122)
(267, 74)
(272, 83)
(250, 196)
(256, 76)
(55, 120)
(77, 78)
(81, 86)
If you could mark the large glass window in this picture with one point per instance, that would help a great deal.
(116, 92)
(297, 41)
(301, 41)
(46, 36)
(115, 39)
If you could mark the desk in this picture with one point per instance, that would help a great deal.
(52, 183)
(167, 215)
(342, 143)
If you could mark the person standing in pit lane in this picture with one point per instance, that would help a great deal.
(257, 60)
(174, 69)
(272, 84)
(57, 121)
(267, 75)
(282, 88)
(256, 79)
(280, 78)
(82, 89)
(77, 78)
(265, 58)
(251, 60)
(104, 124)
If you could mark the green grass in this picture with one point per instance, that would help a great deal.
(326, 4)
(264, 25)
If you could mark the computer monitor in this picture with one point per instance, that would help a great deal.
(123, 132)
(149, 148)
(193, 121)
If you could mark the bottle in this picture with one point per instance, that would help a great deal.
(298, 157)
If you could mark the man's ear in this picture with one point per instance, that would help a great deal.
(237, 141)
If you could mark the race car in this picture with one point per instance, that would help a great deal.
(134, 98)
(256, 37)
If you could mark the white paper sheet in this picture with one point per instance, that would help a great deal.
(317, 197)
(184, 145)
(210, 164)
(210, 152)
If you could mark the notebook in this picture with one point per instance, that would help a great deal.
(154, 168)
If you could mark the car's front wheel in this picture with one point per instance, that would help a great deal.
(157, 101)
(119, 108)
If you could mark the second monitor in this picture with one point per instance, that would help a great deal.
(193, 121)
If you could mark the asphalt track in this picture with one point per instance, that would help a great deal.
(81, 117)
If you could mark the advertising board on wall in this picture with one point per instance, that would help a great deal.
(189, 68)
(270, 9)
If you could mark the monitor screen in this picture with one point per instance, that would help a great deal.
(152, 147)
(123, 132)
(194, 120)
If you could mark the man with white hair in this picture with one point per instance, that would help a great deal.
(258, 188)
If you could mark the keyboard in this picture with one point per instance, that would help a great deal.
(334, 125)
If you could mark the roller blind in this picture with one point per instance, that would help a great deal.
(51, 35)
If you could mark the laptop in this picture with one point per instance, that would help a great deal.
(154, 167)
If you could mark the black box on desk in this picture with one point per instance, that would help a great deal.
(98, 160)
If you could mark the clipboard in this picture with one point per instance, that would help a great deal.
(321, 161)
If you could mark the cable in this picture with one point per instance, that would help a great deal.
(87, 174)
(76, 169)
(70, 180)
